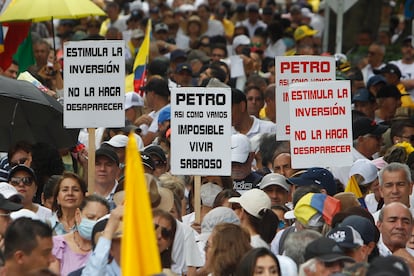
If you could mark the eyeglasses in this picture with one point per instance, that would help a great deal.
(27, 181)
(5, 215)
(257, 44)
(18, 162)
(165, 233)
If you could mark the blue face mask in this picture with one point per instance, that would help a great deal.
(85, 228)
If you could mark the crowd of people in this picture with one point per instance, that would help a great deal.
(267, 218)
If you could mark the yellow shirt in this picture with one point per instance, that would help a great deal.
(406, 100)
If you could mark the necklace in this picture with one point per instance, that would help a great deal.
(79, 246)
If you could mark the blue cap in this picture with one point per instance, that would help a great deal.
(363, 95)
(164, 115)
(178, 53)
(376, 79)
(319, 176)
(183, 67)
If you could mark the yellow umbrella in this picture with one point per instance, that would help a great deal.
(44, 10)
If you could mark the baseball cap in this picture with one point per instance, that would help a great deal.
(164, 114)
(183, 67)
(7, 205)
(363, 95)
(303, 31)
(147, 160)
(24, 213)
(133, 99)
(376, 79)
(160, 27)
(157, 151)
(240, 148)
(176, 54)
(252, 7)
(9, 191)
(346, 237)
(326, 250)
(363, 126)
(109, 153)
(254, 201)
(208, 192)
(198, 54)
(158, 66)
(216, 216)
(368, 231)
(311, 205)
(389, 91)
(159, 86)
(19, 168)
(118, 141)
(240, 40)
(137, 33)
(274, 179)
(388, 266)
(389, 68)
(319, 176)
(366, 169)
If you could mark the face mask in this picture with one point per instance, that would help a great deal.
(85, 228)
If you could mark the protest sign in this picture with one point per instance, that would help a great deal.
(321, 124)
(94, 81)
(297, 69)
(201, 131)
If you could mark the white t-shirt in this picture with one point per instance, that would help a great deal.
(256, 241)
(407, 73)
(43, 213)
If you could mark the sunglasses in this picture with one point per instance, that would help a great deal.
(19, 162)
(27, 181)
(165, 233)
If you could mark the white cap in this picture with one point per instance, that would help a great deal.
(24, 213)
(366, 169)
(137, 33)
(8, 190)
(274, 179)
(240, 148)
(208, 193)
(118, 141)
(133, 99)
(240, 40)
(253, 201)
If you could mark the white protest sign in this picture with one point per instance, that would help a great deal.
(297, 69)
(321, 124)
(94, 84)
(201, 131)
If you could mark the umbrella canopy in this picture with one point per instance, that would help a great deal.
(44, 10)
(31, 115)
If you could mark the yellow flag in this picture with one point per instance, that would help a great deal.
(139, 250)
(353, 187)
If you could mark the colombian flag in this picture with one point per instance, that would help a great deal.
(353, 187)
(139, 250)
(141, 61)
(312, 204)
(1, 39)
(16, 34)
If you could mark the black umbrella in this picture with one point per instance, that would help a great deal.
(28, 114)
